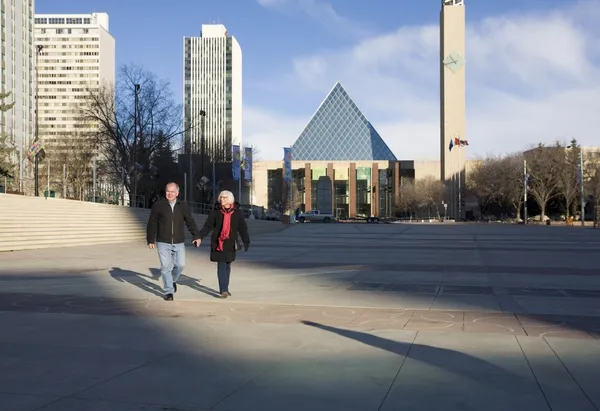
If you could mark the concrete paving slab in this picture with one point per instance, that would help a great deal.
(561, 390)
(453, 317)
(180, 380)
(582, 361)
(22, 402)
(483, 370)
(79, 404)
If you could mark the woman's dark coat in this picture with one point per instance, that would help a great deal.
(214, 223)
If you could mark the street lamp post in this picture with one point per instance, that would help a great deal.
(581, 188)
(39, 49)
(189, 195)
(202, 154)
(135, 141)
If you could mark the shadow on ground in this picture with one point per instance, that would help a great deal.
(71, 352)
(144, 282)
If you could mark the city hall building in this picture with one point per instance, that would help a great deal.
(339, 153)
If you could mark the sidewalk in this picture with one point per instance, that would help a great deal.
(351, 317)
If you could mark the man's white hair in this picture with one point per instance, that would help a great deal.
(228, 194)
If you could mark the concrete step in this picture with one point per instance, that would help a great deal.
(60, 232)
(66, 235)
(17, 246)
(25, 210)
(28, 223)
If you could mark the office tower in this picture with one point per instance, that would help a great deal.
(75, 55)
(213, 90)
(17, 76)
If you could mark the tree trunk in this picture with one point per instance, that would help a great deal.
(568, 205)
(542, 212)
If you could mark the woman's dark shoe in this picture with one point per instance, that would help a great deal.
(225, 294)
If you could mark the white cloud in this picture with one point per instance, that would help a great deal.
(320, 11)
(270, 132)
(530, 78)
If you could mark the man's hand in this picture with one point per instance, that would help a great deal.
(151, 246)
(197, 242)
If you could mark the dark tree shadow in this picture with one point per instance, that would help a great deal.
(463, 364)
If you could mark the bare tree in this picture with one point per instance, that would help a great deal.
(76, 153)
(418, 197)
(130, 134)
(296, 196)
(568, 186)
(484, 182)
(408, 201)
(430, 193)
(544, 165)
(512, 182)
(592, 181)
(498, 184)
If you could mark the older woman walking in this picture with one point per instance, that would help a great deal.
(225, 222)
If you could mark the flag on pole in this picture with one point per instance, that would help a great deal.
(460, 143)
(248, 164)
(457, 142)
(236, 163)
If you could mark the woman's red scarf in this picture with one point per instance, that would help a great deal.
(226, 227)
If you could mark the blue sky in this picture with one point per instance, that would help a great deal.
(532, 65)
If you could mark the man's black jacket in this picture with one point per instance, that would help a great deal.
(166, 225)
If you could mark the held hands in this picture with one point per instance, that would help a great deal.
(197, 242)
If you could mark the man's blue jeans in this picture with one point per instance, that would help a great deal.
(172, 261)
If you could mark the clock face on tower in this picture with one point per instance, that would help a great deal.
(454, 61)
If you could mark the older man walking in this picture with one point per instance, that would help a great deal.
(165, 232)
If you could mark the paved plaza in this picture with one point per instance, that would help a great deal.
(323, 317)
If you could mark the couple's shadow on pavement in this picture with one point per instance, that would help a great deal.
(144, 281)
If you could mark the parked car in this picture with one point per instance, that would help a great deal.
(273, 215)
(315, 215)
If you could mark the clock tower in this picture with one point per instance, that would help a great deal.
(452, 104)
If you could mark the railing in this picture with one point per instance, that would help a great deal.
(253, 212)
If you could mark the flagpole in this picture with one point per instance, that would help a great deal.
(251, 182)
(459, 188)
(291, 190)
(454, 183)
(453, 186)
(524, 191)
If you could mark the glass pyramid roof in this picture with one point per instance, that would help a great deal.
(339, 131)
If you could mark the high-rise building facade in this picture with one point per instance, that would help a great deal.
(75, 55)
(212, 89)
(17, 73)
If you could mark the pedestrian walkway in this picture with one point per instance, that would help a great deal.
(338, 316)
